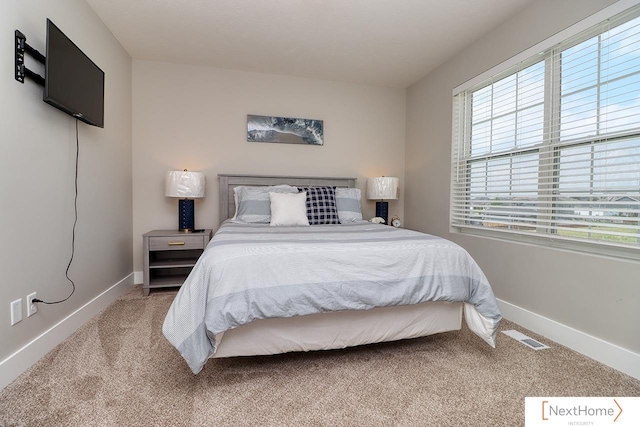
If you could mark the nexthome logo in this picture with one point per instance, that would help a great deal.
(582, 411)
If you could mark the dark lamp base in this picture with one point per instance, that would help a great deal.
(186, 215)
(382, 211)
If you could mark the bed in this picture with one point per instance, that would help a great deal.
(259, 289)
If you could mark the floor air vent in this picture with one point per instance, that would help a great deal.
(528, 341)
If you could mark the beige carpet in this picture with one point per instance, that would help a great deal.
(118, 370)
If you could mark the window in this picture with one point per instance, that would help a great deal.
(549, 149)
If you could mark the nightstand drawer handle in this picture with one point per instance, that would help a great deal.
(176, 243)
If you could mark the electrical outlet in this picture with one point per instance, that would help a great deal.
(32, 308)
(16, 311)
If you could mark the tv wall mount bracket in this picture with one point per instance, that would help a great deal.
(21, 71)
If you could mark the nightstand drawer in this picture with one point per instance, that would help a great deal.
(176, 243)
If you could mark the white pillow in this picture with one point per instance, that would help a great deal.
(288, 209)
(235, 202)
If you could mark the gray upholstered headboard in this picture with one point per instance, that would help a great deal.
(228, 182)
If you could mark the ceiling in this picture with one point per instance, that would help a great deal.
(390, 43)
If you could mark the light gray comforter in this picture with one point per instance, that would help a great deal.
(254, 271)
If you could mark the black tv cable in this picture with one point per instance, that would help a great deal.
(73, 235)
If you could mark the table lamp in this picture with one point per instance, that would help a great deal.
(382, 188)
(187, 186)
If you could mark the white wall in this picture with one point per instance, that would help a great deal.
(596, 295)
(37, 163)
(195, 117)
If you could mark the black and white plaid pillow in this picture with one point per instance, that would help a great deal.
(321, 205)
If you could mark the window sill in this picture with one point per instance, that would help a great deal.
(599, 249)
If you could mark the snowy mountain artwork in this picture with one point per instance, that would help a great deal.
(285, 130)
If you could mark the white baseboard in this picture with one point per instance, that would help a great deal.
(604, 352)
(24, 358)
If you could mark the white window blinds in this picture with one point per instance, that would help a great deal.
(551, 147)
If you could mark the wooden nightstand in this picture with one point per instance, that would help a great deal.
(169, 256)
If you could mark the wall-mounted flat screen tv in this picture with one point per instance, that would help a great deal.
(73, 82)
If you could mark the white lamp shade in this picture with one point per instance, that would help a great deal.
(184, 184)
(382, 188)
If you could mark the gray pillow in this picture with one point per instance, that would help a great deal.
(253, 204)
(349, 204)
